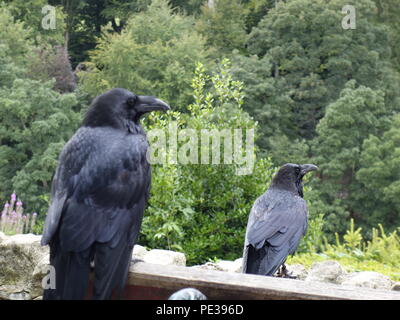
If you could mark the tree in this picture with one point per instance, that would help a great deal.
(388, 13)
(306, 57)
(85, 19)
(30, 12)
(191, 7)
(15, 42)
(223, 25)
(379, 176)
(35, 120)
(155, 53)
(256, 10)
(359, 112)
(53, 62)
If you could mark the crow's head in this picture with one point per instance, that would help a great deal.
(120, 108)
(290, 177)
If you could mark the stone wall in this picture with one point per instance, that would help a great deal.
(23, 264)
(22, 259)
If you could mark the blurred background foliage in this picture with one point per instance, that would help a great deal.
(313, 92)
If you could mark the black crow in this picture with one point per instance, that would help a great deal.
(98, 196)
(277, 222)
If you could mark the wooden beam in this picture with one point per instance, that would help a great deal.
(237, 286)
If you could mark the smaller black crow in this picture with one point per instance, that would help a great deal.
(277, 222)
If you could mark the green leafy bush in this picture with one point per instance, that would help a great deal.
(380, 254)
(202, 209)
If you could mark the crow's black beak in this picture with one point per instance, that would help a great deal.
(147, 103)
(305, 168)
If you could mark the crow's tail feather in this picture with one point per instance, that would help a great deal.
(111, 270)
(263, 261)
(71, 274)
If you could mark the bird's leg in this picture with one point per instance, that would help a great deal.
(135, 260)
(284, 273)
(279, 274)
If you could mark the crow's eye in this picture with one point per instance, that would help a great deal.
(297, 170)
(131, 101)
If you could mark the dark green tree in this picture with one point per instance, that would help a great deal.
(305, 58)
(256, 10)
(379, 176)
(35, 120)
(30, 13)
(388, 14)
(155, 53)
(190, 7)
(359, 112)
(223, 25)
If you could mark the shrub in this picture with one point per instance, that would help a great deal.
(202, 209)
(381, 253)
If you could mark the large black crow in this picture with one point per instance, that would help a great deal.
(277, 222)
(99, 193)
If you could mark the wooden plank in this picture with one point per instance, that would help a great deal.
(237, 286)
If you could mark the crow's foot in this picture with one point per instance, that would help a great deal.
(284, 273)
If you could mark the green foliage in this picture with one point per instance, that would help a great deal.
(35, 120)
(380, 254)
(223, 25)
(189, 6)
(155, 54)
(313, 240)
(379, 176)
(303, 60)
(388, 13)
(256, 10)
(338, 147)
(30, 12)
(202, 209)
(14, 44)
(85, 18)
(318, 91)
(319, 94)
(53, 62)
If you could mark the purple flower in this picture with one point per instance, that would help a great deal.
(7, 205)
(13, 197)
(19, 203)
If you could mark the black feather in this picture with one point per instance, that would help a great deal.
(276, 224)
